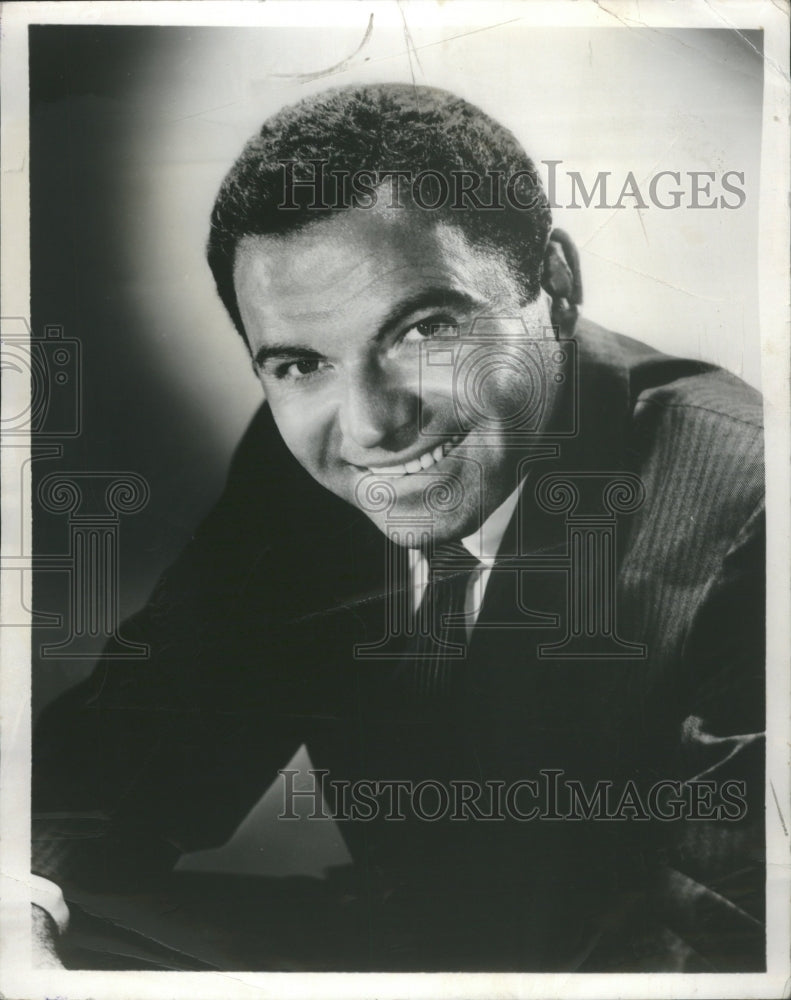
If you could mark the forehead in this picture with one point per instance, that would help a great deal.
(360, 261)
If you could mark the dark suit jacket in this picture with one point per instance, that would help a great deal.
(251, 635)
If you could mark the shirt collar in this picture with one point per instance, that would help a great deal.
(484, 543)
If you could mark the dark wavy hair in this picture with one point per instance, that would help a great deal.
(378, 128)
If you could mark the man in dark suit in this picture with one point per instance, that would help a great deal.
(500, 566)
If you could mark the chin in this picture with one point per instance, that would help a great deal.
(443, 528)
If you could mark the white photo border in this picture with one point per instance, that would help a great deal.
(17, 978)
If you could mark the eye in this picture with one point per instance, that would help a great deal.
(432, 326)
(303, 368)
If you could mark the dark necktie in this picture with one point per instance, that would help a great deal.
(435, 656)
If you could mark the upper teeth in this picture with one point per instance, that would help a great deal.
(421, 463)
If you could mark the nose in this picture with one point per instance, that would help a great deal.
(374, 412)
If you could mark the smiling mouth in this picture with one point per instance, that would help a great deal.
(422, 462)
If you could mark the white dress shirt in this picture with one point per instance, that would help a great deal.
(484, 545)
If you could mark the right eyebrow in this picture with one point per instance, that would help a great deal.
(429, 298)
(285, 352)
(438, 298)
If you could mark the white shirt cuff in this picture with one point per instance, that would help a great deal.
(48, 897)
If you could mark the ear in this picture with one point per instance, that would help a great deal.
(561, 278)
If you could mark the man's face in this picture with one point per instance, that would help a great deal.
(397, 363)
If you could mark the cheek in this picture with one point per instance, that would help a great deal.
(438, 386)
(482, 387)
(504, 387)
(305, 431)
(433, 398)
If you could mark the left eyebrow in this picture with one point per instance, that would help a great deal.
(429, 298)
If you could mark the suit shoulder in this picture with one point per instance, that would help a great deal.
(695, 430)
(703, 434)
(714, 392)
(659, 379)
(713, 422)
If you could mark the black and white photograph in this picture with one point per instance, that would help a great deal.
(395, 499)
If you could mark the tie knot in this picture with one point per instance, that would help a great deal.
(450, 550)
(451, 558)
